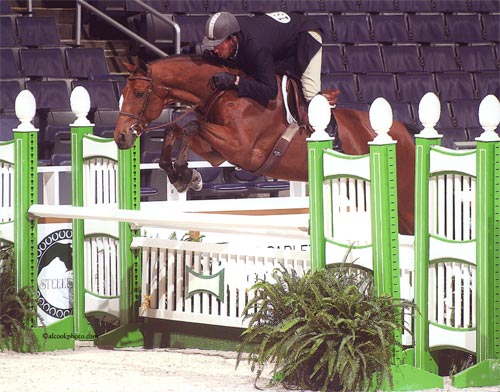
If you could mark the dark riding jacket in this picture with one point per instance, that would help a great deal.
(271, 42)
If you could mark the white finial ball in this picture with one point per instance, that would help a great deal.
(319, 112)
(489, 118)
(380, 115)
(25, 106)
(429, 109)
(80, 105)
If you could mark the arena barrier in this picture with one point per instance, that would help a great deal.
(183, 268)
(455, 282)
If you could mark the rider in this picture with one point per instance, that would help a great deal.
(261, 44)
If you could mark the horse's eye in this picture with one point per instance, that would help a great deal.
(139, 94)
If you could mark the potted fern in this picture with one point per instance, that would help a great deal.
(17, 308)
(326, 330)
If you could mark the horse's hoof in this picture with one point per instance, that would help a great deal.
(196, 181)
(180, 187)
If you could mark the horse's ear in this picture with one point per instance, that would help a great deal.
(143, 66)
(129, 67)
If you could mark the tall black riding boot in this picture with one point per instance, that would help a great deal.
(332, 130)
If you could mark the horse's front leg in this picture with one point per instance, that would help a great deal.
(177, 170)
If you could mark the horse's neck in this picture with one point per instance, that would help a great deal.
(187, 80)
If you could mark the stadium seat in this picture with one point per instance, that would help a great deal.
(401, 58)
(7, 32)
(131, 7)
(413, 86)
(415, 6)
(263, 6)
(333, 60)
(43, 63)
(302, 6)
(427, 28)
(487, 83)
(402, 111)
(8, 122)
(351, 29)
(491, 25)
(378, 6)
(452, 135)
(186, 6)
(9, 89)
(8, 64)
(439, 58)
(451, 6)
(485, 6)
(258, 184)
(389, 28)
(192, 27)
(455, 86)
(234, 6)
(38, 31)
(87, 63)
(372, 86)
(5, 8)
(362, 59)
(464, 28)
(326, 25)
(477, 58)
(338, 6)
(466, 114)
(102, 93)
(154, 30)
(346, 83)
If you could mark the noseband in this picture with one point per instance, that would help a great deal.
(138, 127)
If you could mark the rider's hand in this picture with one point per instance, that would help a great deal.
(224, 80)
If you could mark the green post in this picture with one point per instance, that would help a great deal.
(25, 194)
(486, 372)
(81, 325)
(319, 112)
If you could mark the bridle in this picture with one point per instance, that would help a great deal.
(140, 126)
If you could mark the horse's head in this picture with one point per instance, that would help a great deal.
(142, 103)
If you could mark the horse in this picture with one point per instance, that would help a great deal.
(239, 130)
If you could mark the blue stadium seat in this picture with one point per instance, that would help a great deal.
(464, 28)
(258, 184)
(7, 33)
(389, 28)
(351, 28)
(402, 111)
(132, 7)
(453, 86)
(5, 8)
(427, 28)
(413, 86)
(192, 27)
(8, 122)
(451, 6)
(338, 6)
(485, 6)
(378, 6)
(303, 6)
(326, 25)
(372, 86)
(262, 6)
(346, 83)
(186, 6)
(439, 58)
(38, 31)
(45, 63)
(477, 58)
(466, 114)
(8, 64)
(9, 89)
(102, 93)
(415, 6)
(154, 30)
(452, 135)
(333, 60)
(401, 58)
(234, 6)
(487, 83)
(87, 63)
(491, 25)
(362, 59)
(49, 95)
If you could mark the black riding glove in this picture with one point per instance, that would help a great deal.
(224, 80)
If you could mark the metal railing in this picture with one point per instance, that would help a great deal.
(124, 30)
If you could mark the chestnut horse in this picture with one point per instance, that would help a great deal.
(240, 130)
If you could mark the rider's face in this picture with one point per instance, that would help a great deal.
(226, 48)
